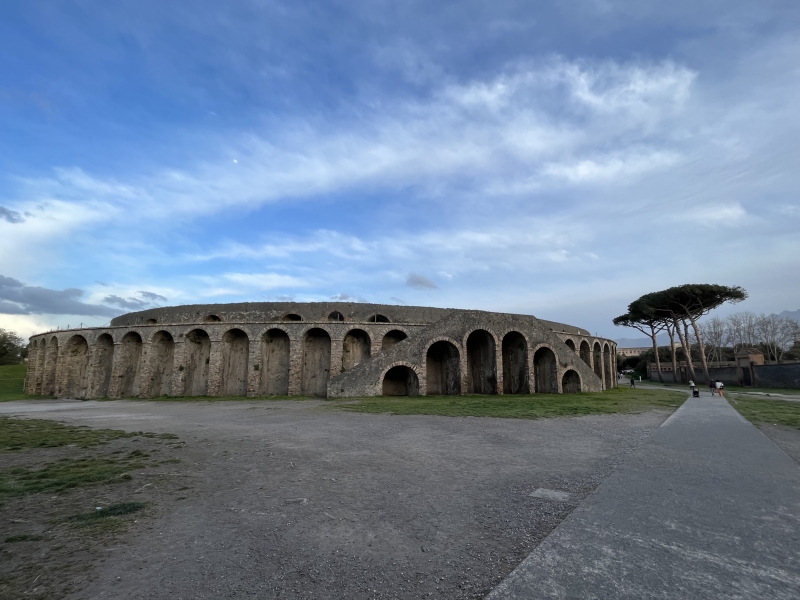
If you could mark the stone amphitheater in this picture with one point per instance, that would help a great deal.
(334, 350)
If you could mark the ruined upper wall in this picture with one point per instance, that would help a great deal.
(257, 312)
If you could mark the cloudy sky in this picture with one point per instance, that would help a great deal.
(556, 160)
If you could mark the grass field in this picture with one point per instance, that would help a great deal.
(12, 378)
(534, 406)
(776, 412)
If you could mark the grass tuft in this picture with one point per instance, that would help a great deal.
(23, 538)
(21, 434)
(115, 510)
(530, 406)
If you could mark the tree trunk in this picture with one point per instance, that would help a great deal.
(673, 352)
(655, 349)
(687, 351)
(702, 349)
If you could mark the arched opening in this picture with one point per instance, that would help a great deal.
(197, 350)
(607, 365)
(292, 317)
(50, 367)
(151, 321)
(336, 316)
(400, 381)
(570, 344)
(355, 348)
(274, 363)
(129, 359)
(481, 363)
(235, 352)
(586, 353)
(598, 360)
(571, 382)
(103, 364)
(76, 360)
(391, 338)
(376, 318)
(515, 364)
(545, 372)
(212, 319)
(316, 363)
(443, 369)
(162, 358)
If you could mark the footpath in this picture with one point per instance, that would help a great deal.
(708, 508)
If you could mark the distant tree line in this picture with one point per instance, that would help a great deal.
(775, 336)
(677, 311)
(12, 348)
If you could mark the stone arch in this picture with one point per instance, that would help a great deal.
(515, 363)
(570, 344)
(274, 363)
(130, 355)
(197, 350)
(442, 369)
(336, 316)
(103, 356)
(162, 361)
(356, 347)
(481, 363)
(316, 362)
(607, 365)
(50, 367)
(76, 362)
(235, 352)
(545, 371)
(392, 337)
(571, 382)
(291, 317)
(597, 360)
(151, 321)
(212, 319)
(400, 380)
(378, 318)
(586, 353)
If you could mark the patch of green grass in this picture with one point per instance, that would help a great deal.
(533, 406)
(19, 434)
(212, 398)
(23, 538)
(776, 412)
(115, 510)
(65, 474)
(12, 378)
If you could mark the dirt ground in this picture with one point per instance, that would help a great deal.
(294, 500)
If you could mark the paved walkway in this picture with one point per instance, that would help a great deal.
(708, 508)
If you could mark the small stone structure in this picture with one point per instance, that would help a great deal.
(334, 350)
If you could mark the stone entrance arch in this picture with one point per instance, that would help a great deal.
(235, 352)
(481, 363)
(129, 364)
(545, 371)
(316, 362)
(586, 353)
(162, 358)
(76, 361)
(400, 380)
(274, 363)
(515, 364)
(443, 369)
(607, 366)
(598, 361)
(103, 357)
(197, 349)
(356, 347)
(571, 382)
(570, 344)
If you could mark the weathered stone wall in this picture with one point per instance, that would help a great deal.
(199, 352)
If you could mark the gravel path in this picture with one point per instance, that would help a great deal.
(294, 500)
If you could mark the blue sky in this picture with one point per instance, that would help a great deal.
(556, 160)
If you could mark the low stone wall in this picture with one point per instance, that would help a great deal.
(783, 375)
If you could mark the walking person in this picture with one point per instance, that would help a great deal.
(633, 382)
(720, 386)
(712, 386)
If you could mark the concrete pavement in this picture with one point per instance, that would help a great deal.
(708, 508)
